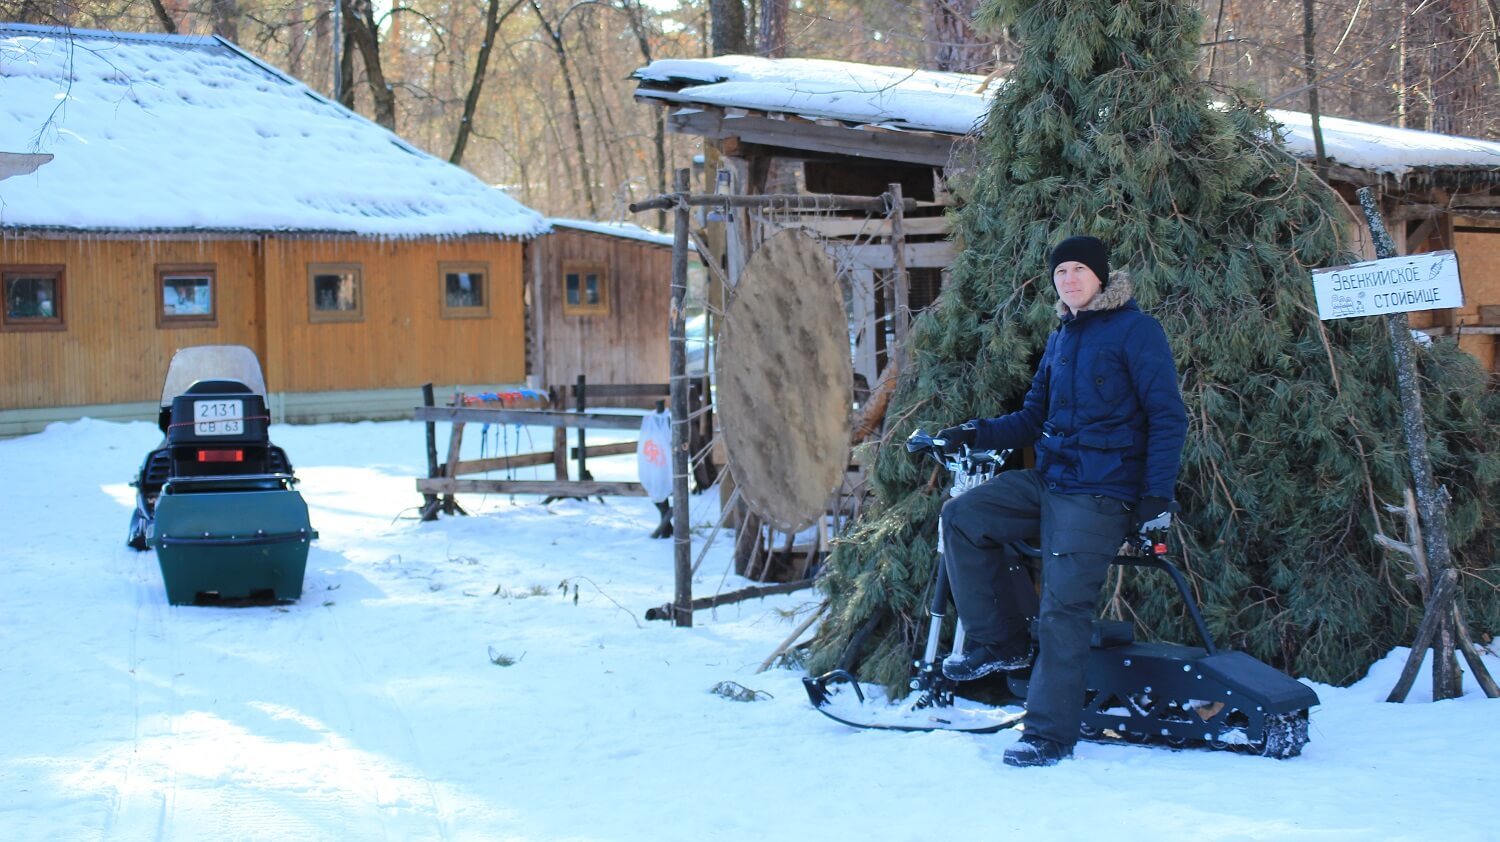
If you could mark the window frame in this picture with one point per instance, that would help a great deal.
(449, 311)
(165, 270)
(582, 267)
(35, 323)
(316, 315)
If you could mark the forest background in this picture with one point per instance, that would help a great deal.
(535, 95)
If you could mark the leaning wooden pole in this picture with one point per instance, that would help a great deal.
(902, 281)
(1432, 501)
(682, 535)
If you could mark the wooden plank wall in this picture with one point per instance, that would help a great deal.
(403, 339)
(1479, 262)
(112, 350)
(629, 345)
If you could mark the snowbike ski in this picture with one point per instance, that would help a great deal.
(1141, 693)
(838, 696)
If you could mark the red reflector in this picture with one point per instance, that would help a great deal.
(221, 456)
(1160, 549)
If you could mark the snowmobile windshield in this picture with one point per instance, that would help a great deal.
(212, 362)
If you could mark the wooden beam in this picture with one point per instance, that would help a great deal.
(503, 463)
(615, 449)
(665, 612)
(908, 147)
(920, 226)
(533, 417)
(553, 488)
(919, 255)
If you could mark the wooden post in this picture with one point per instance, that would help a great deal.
(682, 548)
(902, 308)
(560, 453)
(581, 404)
(1439, 612)
(1432, 501)
(429, 501)
(450, 470)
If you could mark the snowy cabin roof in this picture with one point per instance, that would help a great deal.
(626, 230)
(168, 133)
(903, 100)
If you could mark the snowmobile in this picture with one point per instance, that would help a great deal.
(216, 499)
(1139, 692)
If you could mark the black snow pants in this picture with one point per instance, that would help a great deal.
(1080, 534)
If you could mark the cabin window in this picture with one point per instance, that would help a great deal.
(585, 289)
(335, 292)
(33, 298)
(465, 290)
(187, 296)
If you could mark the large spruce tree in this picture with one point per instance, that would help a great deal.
(1295, 442)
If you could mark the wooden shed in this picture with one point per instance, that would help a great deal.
(601, 295)
(778, 125)
(198, 196)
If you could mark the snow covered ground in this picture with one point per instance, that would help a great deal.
(373, 709)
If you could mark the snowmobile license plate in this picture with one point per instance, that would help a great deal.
(219, 418)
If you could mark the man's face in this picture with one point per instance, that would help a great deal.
(1076, 284)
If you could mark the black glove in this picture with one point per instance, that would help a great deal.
(955, 438)
(1152, 514)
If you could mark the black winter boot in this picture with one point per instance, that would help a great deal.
(1035, 751)
(981, 659)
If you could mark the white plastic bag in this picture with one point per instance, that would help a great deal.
(651, 455)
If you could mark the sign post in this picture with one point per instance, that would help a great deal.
(1393, 286)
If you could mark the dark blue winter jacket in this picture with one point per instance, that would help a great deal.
(1103, 412)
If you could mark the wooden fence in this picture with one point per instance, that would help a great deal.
(446, 479)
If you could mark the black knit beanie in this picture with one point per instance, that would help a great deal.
(1090, 251)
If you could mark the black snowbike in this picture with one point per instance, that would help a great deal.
(1151, 693)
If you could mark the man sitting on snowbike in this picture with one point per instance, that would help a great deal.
(1107, 422)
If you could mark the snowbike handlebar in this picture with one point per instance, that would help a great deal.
(964, 461)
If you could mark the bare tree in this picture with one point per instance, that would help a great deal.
(364, 31)
(493, 17)
(771, 42)
(951, 42)
(729, 32)
(559, 49)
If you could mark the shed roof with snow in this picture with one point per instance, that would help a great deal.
(623, 230)
(916, 113)
(180, 134)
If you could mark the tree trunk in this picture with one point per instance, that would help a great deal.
(344, 91)
(359, 22)
(771, 42)
(227, 19)
(1310, 68)
(493, 17)
(561, 51)
(658, 115)
(951, 42)
(1441, 78)
(167, 24)
(727, 18)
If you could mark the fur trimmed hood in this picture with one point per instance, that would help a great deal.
(1115, 295)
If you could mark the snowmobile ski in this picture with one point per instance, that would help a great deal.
(853, 708)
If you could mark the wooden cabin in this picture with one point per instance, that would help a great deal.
(780, 125)
(601, 297)
(196, 195)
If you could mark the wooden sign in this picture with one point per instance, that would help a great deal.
(1400, 284)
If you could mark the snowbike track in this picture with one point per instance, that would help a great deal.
(326, 629)
(137, 805)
